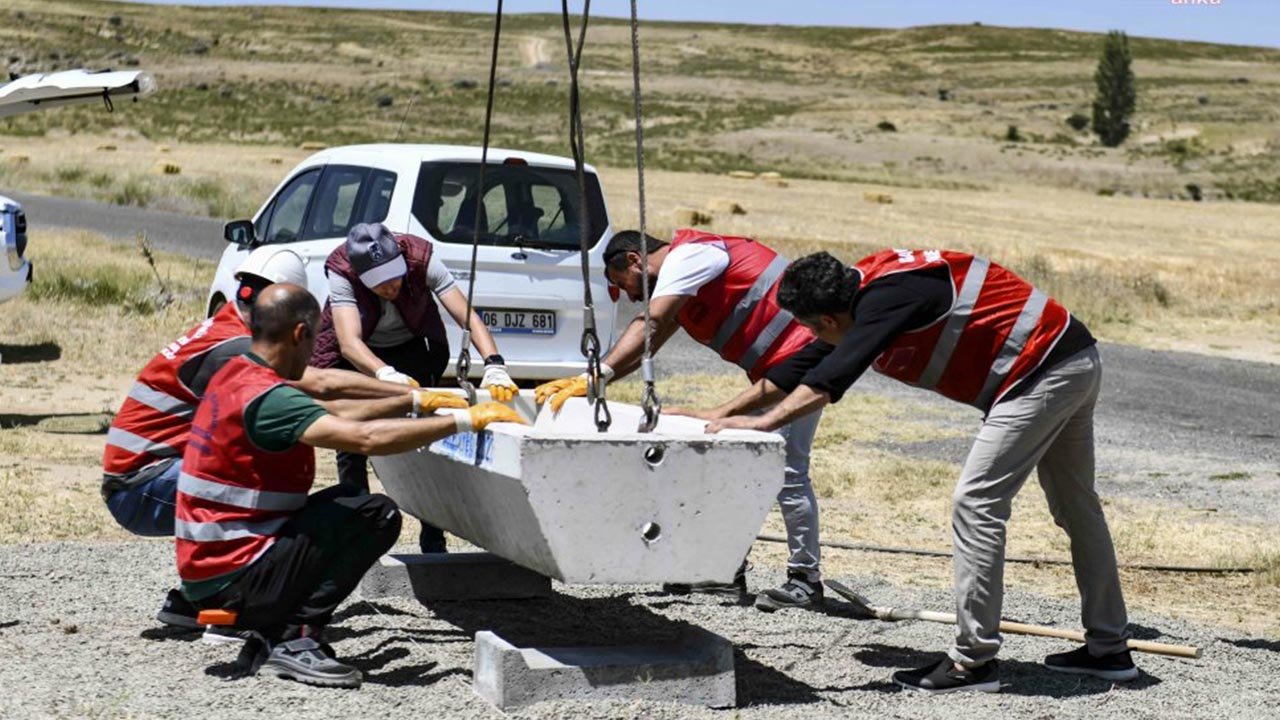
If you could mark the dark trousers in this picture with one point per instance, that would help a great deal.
(422, 363)
(314, 565)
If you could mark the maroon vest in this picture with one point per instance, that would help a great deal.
(415, 303)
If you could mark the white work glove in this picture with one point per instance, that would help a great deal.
(386, 373)
(498, 381)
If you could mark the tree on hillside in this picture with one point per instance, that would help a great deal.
(1116, 94)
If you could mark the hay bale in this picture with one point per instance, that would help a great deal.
(770, 175)
(275, 160)
(169, 168)
(312, 146)
(881, 198)
(107, 148)
(742, 174)
(163, 148)
(689, 217)
(779, 183)
(725, 205)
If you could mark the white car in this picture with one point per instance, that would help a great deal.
(40, 92)
(15, 272)
(528, 268)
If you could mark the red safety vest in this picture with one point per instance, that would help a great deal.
(154, 420)
(999, 329)
(737, 314)
(234, 497)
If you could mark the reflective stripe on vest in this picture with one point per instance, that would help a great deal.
(229, 530)
(160, 401)
(241, 497)
(1027, 321)
(954, 328)
(138, 444)
(757, 292)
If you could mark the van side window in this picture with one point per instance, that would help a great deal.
(348, 195)
(378, 197)
(290, 208)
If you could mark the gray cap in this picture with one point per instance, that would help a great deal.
(374, 254)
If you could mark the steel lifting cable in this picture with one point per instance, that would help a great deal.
(464, 355)
(650, 402)
(590, 344)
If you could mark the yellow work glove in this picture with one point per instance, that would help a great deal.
(498, 382)
(426, 402)
(478, 417)
(559, 391)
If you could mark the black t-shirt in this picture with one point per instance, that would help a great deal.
(892, 305)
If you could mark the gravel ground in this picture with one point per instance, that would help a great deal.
(79, 640)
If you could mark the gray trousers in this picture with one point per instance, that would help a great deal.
(1048, 428)
(798, 503)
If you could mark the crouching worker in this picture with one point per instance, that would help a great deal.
(249, 537)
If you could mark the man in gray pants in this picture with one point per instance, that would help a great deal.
(977, 333)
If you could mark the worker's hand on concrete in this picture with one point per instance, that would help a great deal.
(428, 401)
(691, 412)
(499, 383)
(386, 373)
(735, 422)
(478, 417)
(558, 391)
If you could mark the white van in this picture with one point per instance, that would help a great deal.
(15, 270)
(528, 268)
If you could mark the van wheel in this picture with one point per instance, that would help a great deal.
(215, 305)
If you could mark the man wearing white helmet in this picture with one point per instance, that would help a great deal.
(143, 455)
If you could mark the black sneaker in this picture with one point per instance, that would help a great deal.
(303, 660)
(177, 612)
(796, 592)
(737, 587)
(1116, 667)
(943, 677)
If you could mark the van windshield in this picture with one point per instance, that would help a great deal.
(521, 206)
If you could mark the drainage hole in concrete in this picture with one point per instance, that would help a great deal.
(654, 455)
(651, 532)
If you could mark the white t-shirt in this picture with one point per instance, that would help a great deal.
(688, 267)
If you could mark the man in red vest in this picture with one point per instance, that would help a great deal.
(143, 453)
(971, 330)
(381, 319)
(249, 537)
(723, 291)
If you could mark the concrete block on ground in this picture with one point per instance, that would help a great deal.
(453, 576)
(697, 669)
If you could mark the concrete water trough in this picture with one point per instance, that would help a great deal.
(581, 506)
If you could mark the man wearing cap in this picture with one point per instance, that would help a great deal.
(381, 319)
(722, 291)
(142, 459)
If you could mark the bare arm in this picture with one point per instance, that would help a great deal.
(335, 384)
(346, 323)
(802, 401)
(626, 354)
(377, 437)
(456, 304)
(355, 409)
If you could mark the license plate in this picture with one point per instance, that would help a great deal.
(518, 322)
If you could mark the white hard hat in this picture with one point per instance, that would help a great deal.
(275, 264)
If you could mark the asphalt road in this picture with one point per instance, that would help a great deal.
(1167, 422)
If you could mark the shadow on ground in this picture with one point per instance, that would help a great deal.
(39, 352)
(61, 423)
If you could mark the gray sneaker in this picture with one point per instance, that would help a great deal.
(796, 592)
(303, 660)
